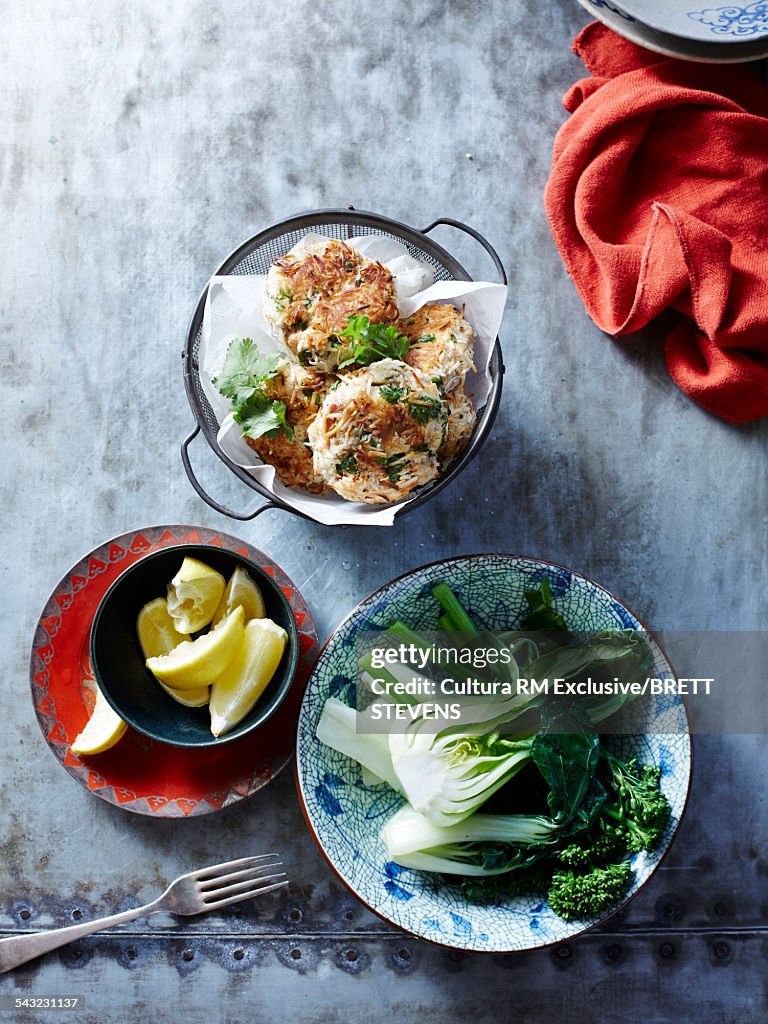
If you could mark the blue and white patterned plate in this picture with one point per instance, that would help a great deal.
(705, 38)
(710, 22)
(346, 815)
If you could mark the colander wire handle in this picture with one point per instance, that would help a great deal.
(449, 222)
(205, 495)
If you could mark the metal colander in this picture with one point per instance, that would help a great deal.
(255, 257)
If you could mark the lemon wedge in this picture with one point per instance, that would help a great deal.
(194, 594)
(241, 590)
(102, 730)
(237, 689)
(157, 630)
(158, 635)
(197, 663)
(196, 698)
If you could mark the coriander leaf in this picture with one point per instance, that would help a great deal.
(348, 465)
(259, 416)
(392, 394)
(366, 343)
(425, 408)
(393, 465)
(244, 370)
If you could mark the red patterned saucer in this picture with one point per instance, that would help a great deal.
(140, 774)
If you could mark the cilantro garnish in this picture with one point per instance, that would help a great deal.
(425, 408)
(242, 380)
(282, 298)
(262, 417)
(393, 465)
(392, 394)
(366, 343)
(347, 466)
(244, 370)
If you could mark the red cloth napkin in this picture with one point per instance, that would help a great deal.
(658, 197)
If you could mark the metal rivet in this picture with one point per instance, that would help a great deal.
(187, 955)
(351, 955)
(666, 950)
(131, 953)
(239, 954)
(296, 915)
(404, 954)
(349, 915)
(75, 954)
(296, 954)
(77, 914)
(25, 914)
(722, 950)
(563, 953)
(614, 951)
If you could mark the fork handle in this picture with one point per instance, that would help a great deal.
(18, 949)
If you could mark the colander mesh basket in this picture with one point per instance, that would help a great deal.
(255, 257)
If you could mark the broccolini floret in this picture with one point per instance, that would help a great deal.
(640, 812)
(579, 894)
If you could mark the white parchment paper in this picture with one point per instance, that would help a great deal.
(234, 309)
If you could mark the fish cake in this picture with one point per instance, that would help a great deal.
(377, 435)
(442, 344)
(310, 296)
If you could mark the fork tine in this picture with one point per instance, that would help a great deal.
(251, 872)
(229, 865)
(246, 895)
(228, 890)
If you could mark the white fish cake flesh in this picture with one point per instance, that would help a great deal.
(377, 435)
(459, 427)
(442, 344)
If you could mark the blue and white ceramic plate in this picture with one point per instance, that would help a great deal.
(704, 40)
(709, 22)
(346, 815)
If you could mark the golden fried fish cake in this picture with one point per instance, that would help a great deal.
(311, 295)
(441, 344)
(377, 434)
(302, 391)
(459, 426)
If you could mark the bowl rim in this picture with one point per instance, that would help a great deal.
(293, 646)
(621, 907)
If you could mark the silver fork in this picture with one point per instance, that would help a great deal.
(208, 889)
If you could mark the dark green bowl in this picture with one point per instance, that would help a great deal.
(118, 662)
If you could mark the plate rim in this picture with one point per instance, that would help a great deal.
(622, 906)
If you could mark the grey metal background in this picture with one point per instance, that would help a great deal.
(140, 143)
